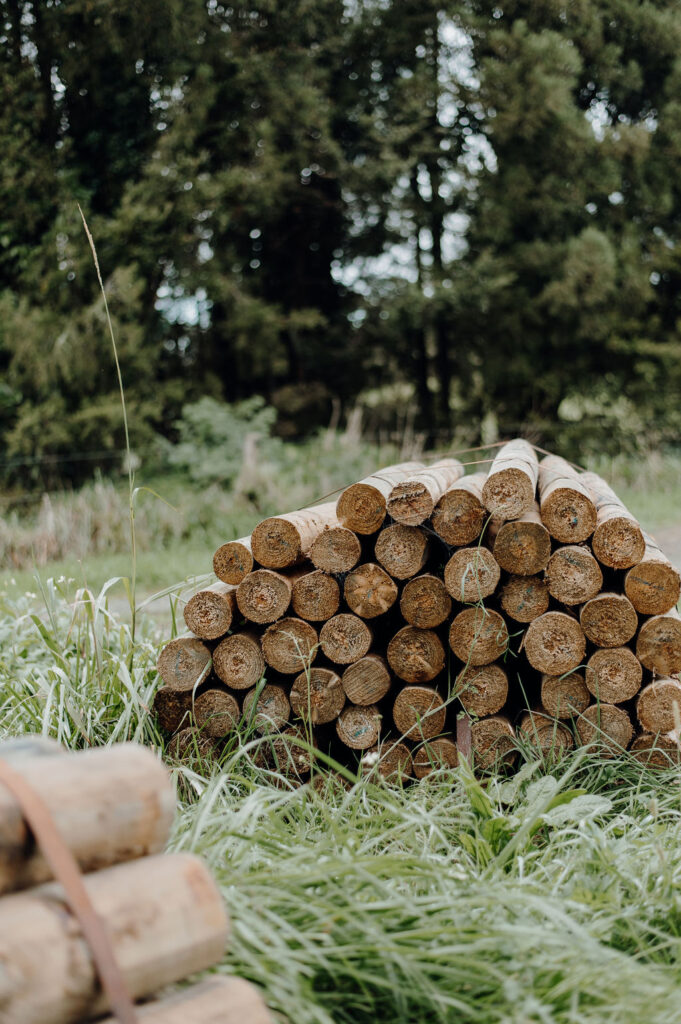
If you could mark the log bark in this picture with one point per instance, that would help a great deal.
(345, 639)
(523, 546)
(315, 596)
(459, 515)
(478, 636)
(283, 541)
(392, 761)
(419, 712)
(216, 713)
(359, 727)
(555, 643)
(238, 660)
(564, 696)
(567, 508)
(573, 576)
(290, 645)
(402, 550)
(545, 732)
(482, 690)
(367, 681)
(369, 591)
(184, 663)
(217, 1000)
(609, 620)
(165, 919)
(659, 706)
(524, 598)
(209, 613)
(617, 540)
(110, 804)
(317, 696)
(412, 501)
(613, 675)
(269, 709)
(653, 585)
(264, 596)
(471, 574)
(493, 742)
(434, 755)
(607, 727)
(336, 549)
(233, 561)
(172, 709)
(362, 506)
(425, 602)
(658, 646)
(416, 655)
(656, 751)
(511, 483)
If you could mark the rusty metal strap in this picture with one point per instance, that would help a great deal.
(65, 869)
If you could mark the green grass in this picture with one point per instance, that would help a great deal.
(549, 897)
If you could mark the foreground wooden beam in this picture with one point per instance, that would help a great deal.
(218, 1000)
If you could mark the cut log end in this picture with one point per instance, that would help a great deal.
(209, 613)
(555, 643)
(315, 596)
(359, 727)
(614, 675)
(216, 713)
(493, 742)
(184, 663)
(416, 655)
(317, 696)
(172, 709)
(367, 681)
(238, 660)
(658, 646)
(268, 710)
(609, 620)
(361, 508)
(618, 542)
(392, 761)
(523, 546)
(290, 645)
(425, 602)
(471, 574)
(478, 636)
(510, 486)
(336, 549)
(524, 598)
(419, 712)
(345, 639)
(263, 596)
(653, 586)
(434, 755)
(412, 501)
(233, 561)
(545, 732)
(656, 751)
(565, 696)
(573, 576)
(606, 727)
(282, 541)
(482, 690)
(459, 515)
(567, 509)
(402, 550)
(659, 706)
(369, 591)
(288, 753)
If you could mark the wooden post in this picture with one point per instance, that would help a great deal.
(564, 696)
(402, 550)
(555, 643)
(567, 508)
(282, 541)
(618, 540)
(606, 727)
(110, 804)
(659, 706)
(336, 549)
(238, 660)
(391, 760)
(614, 675)
(315, 596)
(478, 636)
(493, 742)
(367, 681)
(209, 613)
(425, 602)
(362, 506)
(471, 574)
(184, 663)
(524, 598)
(523, 546)
(573, 575)
(369, 591)
(264, 596)
(483, 689)
(317, 696)
(412, 501)
(217, 1000)
(269, 709)
(165, 918)
(344, 639)
(511, 482)
(653, 585)
(233, 561)
(435, 754)
(419, 712)
(216, 713)
(290, 645)
(416, 655)
(545, 732)
(459, 515)
(359, 727)
(172, 709)
(609, 620)
(658, 646)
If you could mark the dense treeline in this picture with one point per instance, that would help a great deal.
(466, 209)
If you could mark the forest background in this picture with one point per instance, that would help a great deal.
(460, 218)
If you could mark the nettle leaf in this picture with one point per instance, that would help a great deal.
(580, 808)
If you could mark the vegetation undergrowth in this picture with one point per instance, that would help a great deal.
(550, 896)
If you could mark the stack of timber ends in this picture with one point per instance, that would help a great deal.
(509, 490)
(413, 500)
(362, 507)
(283, 541)
(653, 585)
(617, 540)
(459, 516)
(567, 509)
(233, 561)
(210, 612)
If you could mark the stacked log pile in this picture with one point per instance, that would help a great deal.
(162, 913)
(526, 598)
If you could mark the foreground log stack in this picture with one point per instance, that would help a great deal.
(527, 598)
(164, 916)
